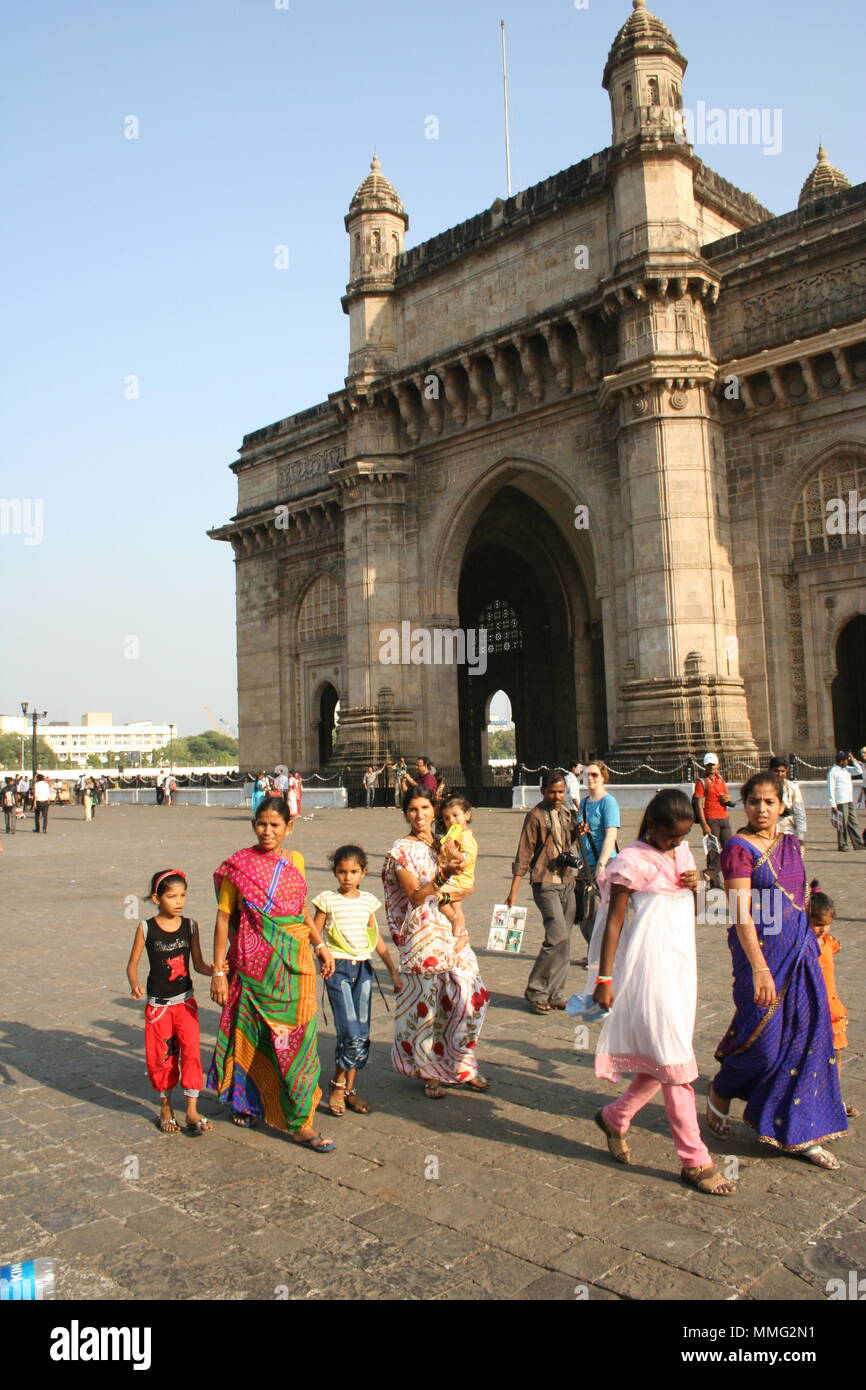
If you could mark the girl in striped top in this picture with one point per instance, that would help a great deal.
(347, 920)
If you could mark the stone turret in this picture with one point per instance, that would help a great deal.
(824, 180)
(644, 77)
(376, 223)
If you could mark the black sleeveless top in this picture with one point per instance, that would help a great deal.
(168, 957)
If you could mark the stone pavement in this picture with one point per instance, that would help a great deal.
(507, 1195)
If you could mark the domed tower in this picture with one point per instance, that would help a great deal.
(376, 223)
(681, 636)
(824, 180)
(644, 77)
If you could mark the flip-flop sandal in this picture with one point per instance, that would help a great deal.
(723, 1130)
(244, 1121)
(821, 1158)
(356, 1104)
(478, 1083)
(433, 1090)
(616, 1143)
(705, 1180)
(167, 1124)
(539, 1008)
(316, 1143)
(199, 1126)
(852, 1112)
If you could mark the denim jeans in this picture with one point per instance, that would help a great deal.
(350, 991)
(371, 795)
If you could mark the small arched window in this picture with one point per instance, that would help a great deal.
(627, 97)
(376, 241)
(829, 516)
(653, 90)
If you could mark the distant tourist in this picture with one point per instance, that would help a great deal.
(574, 786)
(88, 799)
(793, 819)
(710, 804)
(370, 782)
(261, 790)
(281, 782)
(172, 1045)
(169, 787)
(158, 784)
(401, 772)
(543, 852)
(425, 778)
(9, 804)
(293, 794)
(840, 789)
(41, 802)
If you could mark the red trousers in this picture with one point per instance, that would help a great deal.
(171, 1046)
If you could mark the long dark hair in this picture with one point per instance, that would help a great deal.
(274, 803)
(666, 809)
(416, 794)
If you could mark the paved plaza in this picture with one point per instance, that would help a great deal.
(506, 1195)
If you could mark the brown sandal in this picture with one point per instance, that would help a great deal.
(356, 1104)
(616, 1143)
(709, 1181)
(336, 1109)
(433, 1090)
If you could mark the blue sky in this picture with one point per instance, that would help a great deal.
(153, 258)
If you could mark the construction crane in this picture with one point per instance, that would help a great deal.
(226, 727)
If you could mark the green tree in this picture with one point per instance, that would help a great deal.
(501, 744)
(10, 753)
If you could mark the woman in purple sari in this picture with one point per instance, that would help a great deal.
(778, 1054)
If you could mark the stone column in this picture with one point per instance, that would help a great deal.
(682, 636)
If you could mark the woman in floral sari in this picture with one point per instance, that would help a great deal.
(778, 1053)
(265, 1063)
(441, 1009)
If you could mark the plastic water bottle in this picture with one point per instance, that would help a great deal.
(29, 1280)
(584, 1006)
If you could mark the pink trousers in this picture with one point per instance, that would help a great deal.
(681, 1111)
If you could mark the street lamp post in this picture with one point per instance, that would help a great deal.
(171, 729)
(34, 716)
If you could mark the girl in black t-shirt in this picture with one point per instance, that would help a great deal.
(171, 1033)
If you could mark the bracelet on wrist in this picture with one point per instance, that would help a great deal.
(216, 973)
(604, 979)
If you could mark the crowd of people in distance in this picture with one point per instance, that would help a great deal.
(636, 905)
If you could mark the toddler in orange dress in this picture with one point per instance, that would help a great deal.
(821, 914)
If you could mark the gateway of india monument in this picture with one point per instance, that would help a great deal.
(609, 421)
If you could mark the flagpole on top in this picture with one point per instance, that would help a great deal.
(505, 91)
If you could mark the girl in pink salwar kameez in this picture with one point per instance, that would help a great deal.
(643, 967)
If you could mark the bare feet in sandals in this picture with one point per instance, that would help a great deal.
(166, 1123)
(196, 1123)
(433, 1090)
(822, 1158)
(709, 1181)
(717, 1113)
(356, 1104)
(477, 1083)
(336, 1097)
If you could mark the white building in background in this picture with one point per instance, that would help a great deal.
(96, 734)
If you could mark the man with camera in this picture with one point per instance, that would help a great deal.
(546, 853)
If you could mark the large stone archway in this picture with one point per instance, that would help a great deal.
(849, 686)
(520, 580)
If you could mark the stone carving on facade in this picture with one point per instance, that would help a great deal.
(840, 292)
